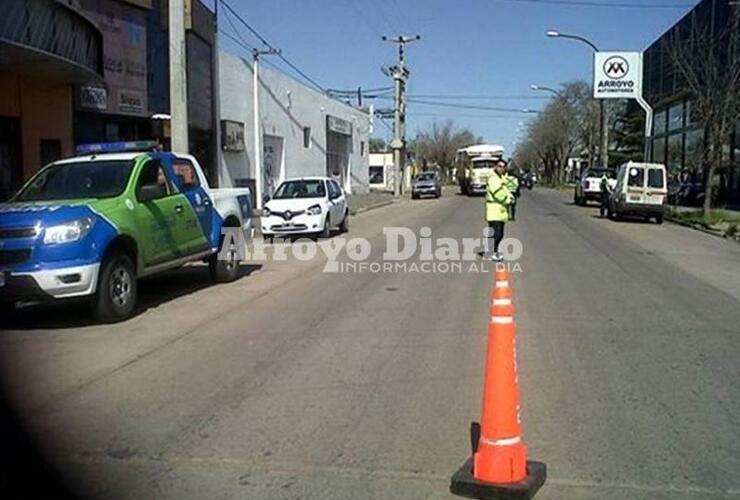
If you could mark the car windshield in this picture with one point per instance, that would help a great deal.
(78, 180)
(425, 177)
(481, 164)
(300, 189)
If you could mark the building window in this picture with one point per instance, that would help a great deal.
(675, 117)
(694, 149)
(362, 148)
(659, 150)
(659, 123)
(377, 175)
(306, 137)
(692, 114)
(675, 153)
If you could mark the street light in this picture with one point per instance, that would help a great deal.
(602, 107)
(546, 89)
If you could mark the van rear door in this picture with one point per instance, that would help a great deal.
(656, 186)
(636, 178)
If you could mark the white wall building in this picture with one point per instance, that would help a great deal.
(303, 132)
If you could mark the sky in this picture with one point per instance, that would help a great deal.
(491, 49)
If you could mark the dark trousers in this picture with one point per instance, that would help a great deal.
(495, 235)
(512, 210)
(604, 203)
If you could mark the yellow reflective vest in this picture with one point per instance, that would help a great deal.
(498, 198)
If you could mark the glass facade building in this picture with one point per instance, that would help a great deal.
(679, 138)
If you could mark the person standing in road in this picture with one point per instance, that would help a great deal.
(512, 184)
(498, 199)
(607, 186)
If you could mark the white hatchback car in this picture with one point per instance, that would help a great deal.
(309, 205)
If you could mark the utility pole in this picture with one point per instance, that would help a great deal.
(400, 76)
(259, 177)
(178, 77)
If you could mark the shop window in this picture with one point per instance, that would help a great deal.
(659, 123)
(694, 149)
(659, 150)
(675, 117)
(306, 137)
(675, 153)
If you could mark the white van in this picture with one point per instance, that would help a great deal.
(640, 191)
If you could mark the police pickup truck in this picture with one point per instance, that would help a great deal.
(89, 226)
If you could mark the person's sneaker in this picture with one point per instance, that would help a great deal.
(497, 257)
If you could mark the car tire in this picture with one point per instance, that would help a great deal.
(659, 219)
(344, 226)
(115, 297)
(268, 238)
(439, 193)
(224, 270)
(326, 232)
(414, 196)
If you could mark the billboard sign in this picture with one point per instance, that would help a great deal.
(617, 75)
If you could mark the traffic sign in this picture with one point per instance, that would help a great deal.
(617, 75)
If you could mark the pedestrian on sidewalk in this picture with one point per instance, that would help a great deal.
(498, 199)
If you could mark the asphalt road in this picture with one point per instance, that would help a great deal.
(296, 383)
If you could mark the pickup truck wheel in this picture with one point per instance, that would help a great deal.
(344, 226)
(659, 218)
(224, 270)
(115, 298)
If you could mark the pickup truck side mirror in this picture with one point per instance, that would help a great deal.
(147, 192)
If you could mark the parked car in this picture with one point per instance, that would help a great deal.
(90, 226)
(640, 191)
(309, 205)
(588, 186)
(426, 184)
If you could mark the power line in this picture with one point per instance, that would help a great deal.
(468, 106)
(364, 18)
(270, 46)
(619, 5)
(482, 96)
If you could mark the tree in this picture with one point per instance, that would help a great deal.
(707, 58)
(568, 126)
(377, 145)
(439, 145)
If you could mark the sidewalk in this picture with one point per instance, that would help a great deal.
(720, 222)
(359, 203)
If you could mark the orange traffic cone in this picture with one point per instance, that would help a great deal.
(499, 468)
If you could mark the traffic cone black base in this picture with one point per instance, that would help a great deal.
(465, 485)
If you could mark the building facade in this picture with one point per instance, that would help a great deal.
(303, 132)
(679, 138)
(47, 47)
(76, 72)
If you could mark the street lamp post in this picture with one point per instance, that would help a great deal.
(604, 122)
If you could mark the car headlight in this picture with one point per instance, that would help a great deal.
(69, 231)
(314, 210)
(266, 212)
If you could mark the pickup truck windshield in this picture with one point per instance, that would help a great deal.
(300, 189)
(425, 177)
(68, 181)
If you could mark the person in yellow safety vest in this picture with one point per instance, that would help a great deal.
(498, 199)
(512, 183)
